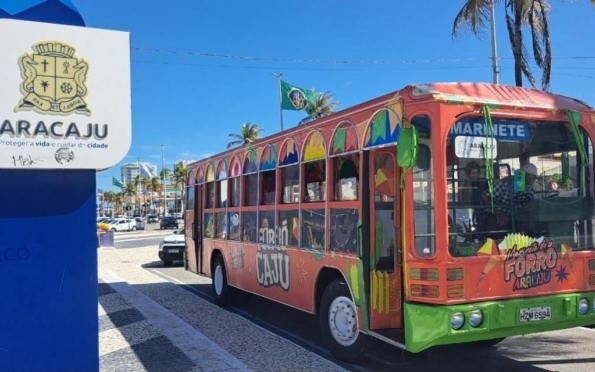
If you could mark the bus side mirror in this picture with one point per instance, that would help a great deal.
(407, 148)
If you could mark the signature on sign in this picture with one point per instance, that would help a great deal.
(25, 161)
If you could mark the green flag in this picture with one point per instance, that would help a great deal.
(295, 98)
(117, 183)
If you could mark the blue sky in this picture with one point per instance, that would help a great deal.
(190, 102)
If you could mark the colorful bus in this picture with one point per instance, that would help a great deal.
(436, 214)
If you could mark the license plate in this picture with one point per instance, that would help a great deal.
(174, 251)
(535, 314)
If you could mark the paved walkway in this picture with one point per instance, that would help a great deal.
(149, 324)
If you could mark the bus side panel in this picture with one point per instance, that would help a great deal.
(284, 275)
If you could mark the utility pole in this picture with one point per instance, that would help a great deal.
(139, 189)
(163, 181)
(495, 68)
(279, 76)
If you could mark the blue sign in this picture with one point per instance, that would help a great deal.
(504, 129)
(48, 250)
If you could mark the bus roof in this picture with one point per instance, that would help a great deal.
(455, 93)
(503, 95)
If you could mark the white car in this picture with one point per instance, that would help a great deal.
(123, 224)
(171, 247)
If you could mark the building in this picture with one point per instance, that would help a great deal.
(184, 163)
(131, 170)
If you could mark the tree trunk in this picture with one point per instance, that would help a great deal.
(518, 43)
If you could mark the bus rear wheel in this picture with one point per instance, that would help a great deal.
(221, 289)
(338, 323)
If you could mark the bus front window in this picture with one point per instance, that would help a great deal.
(541, 175)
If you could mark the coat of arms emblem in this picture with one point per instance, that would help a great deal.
(53, 80)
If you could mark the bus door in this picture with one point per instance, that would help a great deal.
(194, 245)
(385, 244)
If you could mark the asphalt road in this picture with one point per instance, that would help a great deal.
(566, 350)
(135, 239)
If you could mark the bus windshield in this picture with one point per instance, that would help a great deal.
(531, 182)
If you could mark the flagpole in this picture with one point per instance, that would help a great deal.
(279, 76)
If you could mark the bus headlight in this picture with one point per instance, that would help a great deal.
(475, 318)
(457, 320)
(594, 305)
(583, 306)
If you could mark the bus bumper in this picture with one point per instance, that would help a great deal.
(430, 325)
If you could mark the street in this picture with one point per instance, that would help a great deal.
(566, 350)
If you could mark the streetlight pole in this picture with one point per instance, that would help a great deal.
(495, 68)
(279, 76)
(163, 189)
(139, 188)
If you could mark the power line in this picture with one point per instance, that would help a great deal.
(332, 61)
(305, 68)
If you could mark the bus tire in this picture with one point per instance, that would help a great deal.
(338, 323)
(221, 289)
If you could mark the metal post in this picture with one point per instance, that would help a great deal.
(495, 68)
(163, 180)
(139, 188)
(279, 76)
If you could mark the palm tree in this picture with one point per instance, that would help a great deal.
(165, 175)
(324, 105)
(532, 14)
(250, 132)
(130, 189)
(179, 178)
(108, 197)
(118, 199)
(154, 186)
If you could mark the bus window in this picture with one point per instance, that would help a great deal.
(222, 186)
(234, 192)
(346, 177)
(268, 187)
(210, 187)
(315, 190)
(290, 181)
(423, 193)
(251, 185)
(533, 195)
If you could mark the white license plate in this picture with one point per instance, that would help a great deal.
(173, 250)
(535, 314)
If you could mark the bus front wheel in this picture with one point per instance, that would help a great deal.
(338, 323)
(221, 289)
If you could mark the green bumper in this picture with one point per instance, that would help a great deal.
(429, 325)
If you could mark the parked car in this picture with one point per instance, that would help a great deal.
(151, 218)
(169, 221)
(140, 223)
(171, 248)
(122, 224)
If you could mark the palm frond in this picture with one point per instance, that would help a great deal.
(474, 17)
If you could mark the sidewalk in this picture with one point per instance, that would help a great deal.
(149, 324)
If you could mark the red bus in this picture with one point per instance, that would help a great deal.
(436, 214)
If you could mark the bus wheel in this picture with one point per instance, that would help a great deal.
(221, 290)
(338, 322)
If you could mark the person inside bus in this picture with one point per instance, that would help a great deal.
(472, 193)
(504, 195)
